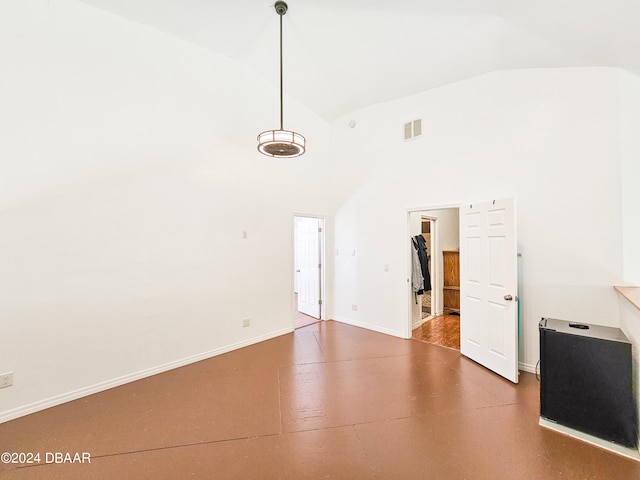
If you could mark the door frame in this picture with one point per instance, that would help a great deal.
(322, 261)
(410, 211)
(436, 297)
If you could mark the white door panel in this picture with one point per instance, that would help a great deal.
(308, 244)
(488, 276)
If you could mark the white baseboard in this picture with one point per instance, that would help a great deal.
(132, 377)
(527, 367)
(369, 326)
(585, 437)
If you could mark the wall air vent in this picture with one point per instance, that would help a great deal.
(413, 129)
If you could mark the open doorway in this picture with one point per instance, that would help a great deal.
(308, 269)
(435, 315)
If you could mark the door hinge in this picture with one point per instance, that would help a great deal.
(319, 229)
(319, 302)
(319, 265)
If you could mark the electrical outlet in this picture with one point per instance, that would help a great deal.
(6, 379)
(354, 307)
(246, 322)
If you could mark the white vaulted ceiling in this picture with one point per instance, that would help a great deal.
(341, 55)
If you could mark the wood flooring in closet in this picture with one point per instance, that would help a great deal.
(443, 330)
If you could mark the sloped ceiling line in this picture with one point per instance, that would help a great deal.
(344, 55)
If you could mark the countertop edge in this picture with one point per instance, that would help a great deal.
(632, 294)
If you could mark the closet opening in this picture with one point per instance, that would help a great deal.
(435, 312)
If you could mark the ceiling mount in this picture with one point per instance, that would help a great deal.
(281, 8)
(281, 143)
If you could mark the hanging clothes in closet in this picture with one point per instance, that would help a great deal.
(423, 255)
(417, 280)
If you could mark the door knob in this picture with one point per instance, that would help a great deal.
(508, 298)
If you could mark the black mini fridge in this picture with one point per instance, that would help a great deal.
(586, 380)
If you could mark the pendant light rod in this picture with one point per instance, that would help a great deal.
(281, 75)
(281, 9)
(281, 143)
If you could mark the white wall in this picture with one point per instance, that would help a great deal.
(630, 325)
(128, 172)
(630, 157)
(548, 137)
(448, 228)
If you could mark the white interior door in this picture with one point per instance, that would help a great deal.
(488, 286)
(308, 257)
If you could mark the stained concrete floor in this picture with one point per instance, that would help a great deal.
(327, 401)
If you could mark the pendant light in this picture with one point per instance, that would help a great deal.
(281, 143)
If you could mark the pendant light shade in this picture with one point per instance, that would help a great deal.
(281, 143)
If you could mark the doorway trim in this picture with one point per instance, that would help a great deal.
(321, 261)
(436, 299)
